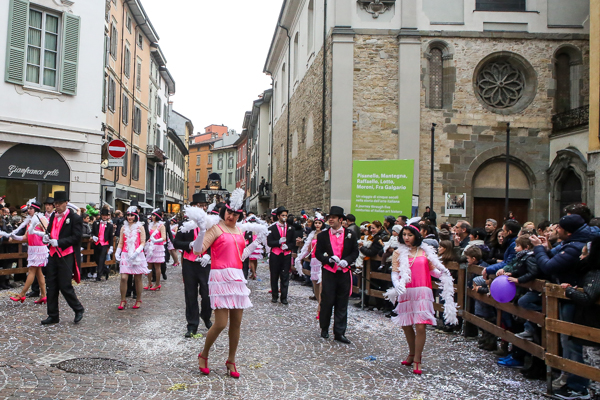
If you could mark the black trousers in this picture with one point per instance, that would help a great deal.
(58, 279)
(279, 266)
(335, 293)
(195, 281)
(100, 253)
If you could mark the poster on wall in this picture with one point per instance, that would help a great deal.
(455, 204)
(380, 188)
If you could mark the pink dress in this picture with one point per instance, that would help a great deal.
(315, 264)
(137, 265)
(257, 254)
(37, 251)
(156, 251)
(226, 282)
(416, 305)
(169, 243)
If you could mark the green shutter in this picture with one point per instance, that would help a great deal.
(70, 54)
(18, 19)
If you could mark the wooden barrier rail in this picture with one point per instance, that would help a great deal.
(21, 257)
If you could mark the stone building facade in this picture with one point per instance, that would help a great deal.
(394, 68)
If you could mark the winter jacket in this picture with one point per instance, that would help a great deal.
(374, 249)
(587, 311)
(563, 267)
(525, 268)
(509, 255)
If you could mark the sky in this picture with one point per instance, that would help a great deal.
(216, 51)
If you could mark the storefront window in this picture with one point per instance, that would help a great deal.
(18, 191)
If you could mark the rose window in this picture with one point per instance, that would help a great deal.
(500, 85)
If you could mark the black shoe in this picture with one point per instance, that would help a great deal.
(342, 339)
(309, 284)
(208, 324)
(78, 316)
(324, 334)
(284, 302)
(357, 305)
(98, 279)
(391, 314)
(190, 333)
(273, 300)
(32, 294)
(164, 276)
(128, 294)
(50, 320)
(566, 392)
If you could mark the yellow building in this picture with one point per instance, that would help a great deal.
(128, 38)
(594, 141)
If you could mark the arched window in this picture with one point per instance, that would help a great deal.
(562, 99)
(568, 75)
(436, 77)
(283, 85)
(296, 53)
(311, 26)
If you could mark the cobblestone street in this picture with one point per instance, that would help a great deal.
(281, 354)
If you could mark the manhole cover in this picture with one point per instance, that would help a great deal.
(93, 365)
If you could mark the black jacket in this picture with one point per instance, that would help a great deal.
(70, 234)
(587, 311)
(349, 253)
(109, 231)
(274, 236)
(182, 240)
(526, 269)
(375, 249)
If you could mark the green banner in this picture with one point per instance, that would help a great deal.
(381, 188)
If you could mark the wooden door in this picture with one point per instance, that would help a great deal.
(484, 208)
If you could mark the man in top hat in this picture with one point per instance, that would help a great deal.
(281, 240)
(195, 271)
(63, 234)
(49, 207)
(337, 249)
(103, 232)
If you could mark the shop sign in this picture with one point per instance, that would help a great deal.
(36, 163)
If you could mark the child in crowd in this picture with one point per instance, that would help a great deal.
(487, 341)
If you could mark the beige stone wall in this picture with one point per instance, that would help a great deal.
(375, 97)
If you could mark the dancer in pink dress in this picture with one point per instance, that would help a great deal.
(130, 254)
(309, 249)
(228, 293)
(37, 252)
(155, 248)
(258, 252)
(414, 263)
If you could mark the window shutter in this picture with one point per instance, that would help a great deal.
(18, 17)
(70, 54)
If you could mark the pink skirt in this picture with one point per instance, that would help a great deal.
(158, 254)
(170, 246)
(315, 269)
(415, 307)
(37, 256)
(139, 266)
(227, 289)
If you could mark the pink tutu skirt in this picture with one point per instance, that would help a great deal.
(170, 246)
(227, 289)
(139, 266)
(37, 256)
(415, 307)
(157, 254)
(315, 269)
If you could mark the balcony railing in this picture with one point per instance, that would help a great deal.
(571, 119)
(155, 153)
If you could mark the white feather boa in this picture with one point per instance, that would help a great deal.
(261, 231)
(149, 246)
(303, 253)
(198, 218)
(440, 272)
(130, 232)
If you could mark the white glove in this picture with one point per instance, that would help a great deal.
(137, 251)
(53, 242)
(343, 263)
(16, 237)
(95, 238)
(46, 239)
(282, 240)
(192, 245)
(284, 247)
(199, 242)
(110, 250)
(156, 240)
(205, 260)
(249, 250)
(334, 259)
(118, 255)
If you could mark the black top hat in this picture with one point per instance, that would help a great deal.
(280, 210)
(49, 200)
(105, 211)
(61, 196)
(337, 211)
(36, 205)
(198, 198)
(134, 203)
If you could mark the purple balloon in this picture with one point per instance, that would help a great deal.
(502, 289)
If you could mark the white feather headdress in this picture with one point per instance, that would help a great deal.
(318, 215)
(237, 199)
(413, 220)
(213, 204)
(132, 209)
(30, 201)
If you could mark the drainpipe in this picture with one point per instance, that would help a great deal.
(289, 70)
(271, 140)
(323, 109)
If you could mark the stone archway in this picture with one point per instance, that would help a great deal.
(568, 164)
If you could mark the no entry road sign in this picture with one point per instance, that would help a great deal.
(116, 148)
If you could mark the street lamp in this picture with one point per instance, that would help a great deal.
(433, 125)
(507, 169)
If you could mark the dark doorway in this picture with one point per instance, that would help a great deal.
(570, 191)
(484, 208)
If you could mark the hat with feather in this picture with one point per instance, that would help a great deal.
(236, 201)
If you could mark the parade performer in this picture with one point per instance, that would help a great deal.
(155, 248)
(195, 270)
(63, 233)
(281, 240)
(413, 265)
(308, 250)
(229, 295)
(337, 249)
(171, 229)
(102, 234)
(37, 251)
(131, 257)
(257, 254)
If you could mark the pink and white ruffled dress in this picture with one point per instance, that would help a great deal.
(138, 265)
(37, 251)
(226, 282)
(257, 254)
(416, 305)
(315, 264)
(156, 251)
(169, 243)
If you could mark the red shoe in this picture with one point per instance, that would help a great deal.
(43, 300)
(18, 298)
(149, 287)
(122, 305)
(135, 307)
(234, 373)
(206, 370)
(155, 288)
(417, 369)
(318, 314)
(405, 362)
(176, 265)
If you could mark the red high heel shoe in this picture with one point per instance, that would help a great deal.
(18, 298)
(122, 305)
(149, 287)
(234, 373)
(154, 289)
(43, 300)
(135, 306)
(405, 362)
(206, 370)
(417, 369)
(318, 314)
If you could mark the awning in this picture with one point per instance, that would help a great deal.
(125, 201)
(145, 205)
